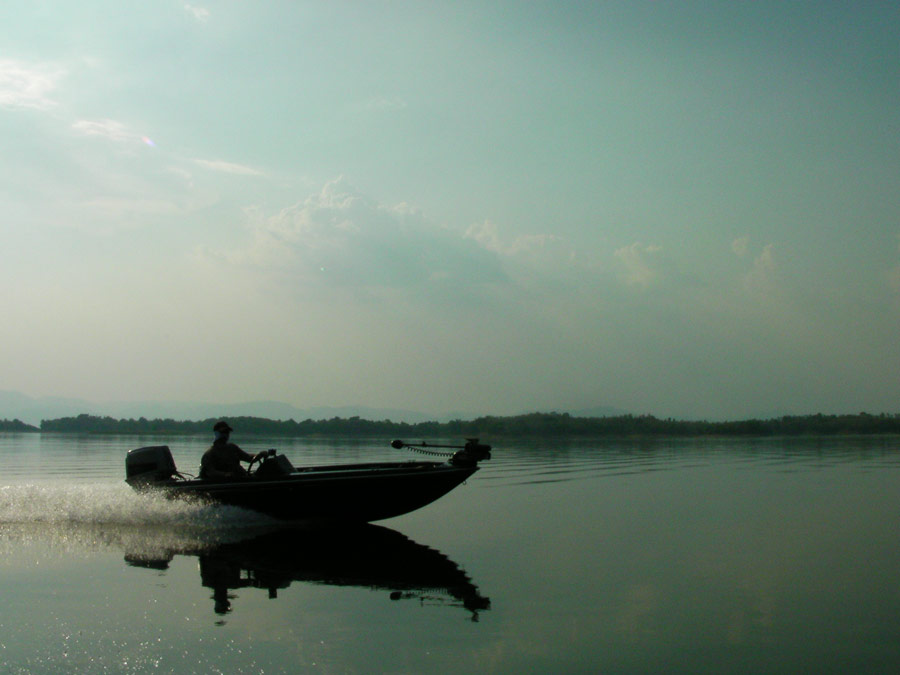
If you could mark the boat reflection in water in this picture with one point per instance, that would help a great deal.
(364, 555)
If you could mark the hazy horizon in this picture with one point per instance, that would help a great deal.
(689, 210)
(32, 410)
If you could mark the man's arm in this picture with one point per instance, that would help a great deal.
(208, 468)
(243, 455)
(246, 456)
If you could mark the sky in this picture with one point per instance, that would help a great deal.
(685, 209)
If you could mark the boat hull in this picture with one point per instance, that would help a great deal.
(357, 492)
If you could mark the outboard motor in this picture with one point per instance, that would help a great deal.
(149, 465)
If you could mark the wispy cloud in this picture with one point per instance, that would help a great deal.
(761, 278)
(386, 103)
(24, 85)
(488, 235)
(532, 260)
(199, 13)
(740, 246)
(106, 128)
(228, 167)
(636, 262)
(119, 207)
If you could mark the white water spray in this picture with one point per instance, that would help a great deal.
(73, 517)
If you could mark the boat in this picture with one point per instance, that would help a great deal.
(340, 492)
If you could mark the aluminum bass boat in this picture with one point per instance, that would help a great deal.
(340, 492)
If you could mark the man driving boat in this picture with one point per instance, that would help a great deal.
(222, 461)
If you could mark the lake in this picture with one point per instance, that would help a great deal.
(562, 556)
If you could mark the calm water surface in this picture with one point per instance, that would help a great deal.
(717, 556)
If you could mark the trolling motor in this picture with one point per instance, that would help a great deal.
(467, 455)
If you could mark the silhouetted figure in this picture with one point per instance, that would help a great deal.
(223, 459)
(221, 575)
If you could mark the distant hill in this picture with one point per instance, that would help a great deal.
(15, 405)
(31, 410)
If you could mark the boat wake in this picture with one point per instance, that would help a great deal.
(69, 518)
(113, 505)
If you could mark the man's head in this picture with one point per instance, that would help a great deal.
(221, 429)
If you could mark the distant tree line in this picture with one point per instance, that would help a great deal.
(16, 425)
(533, 424)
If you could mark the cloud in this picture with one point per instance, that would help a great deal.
(25, 85)
(386, 103)
(740, 245)
(121, 207)
(185, 177)
(636, 262)
(528, 245)
(538, 263)
(201, 14)
(340, 238)
(106, 128)
(228, 167)
(761, 278)
(488, 235)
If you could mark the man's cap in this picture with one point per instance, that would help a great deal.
(222, 426)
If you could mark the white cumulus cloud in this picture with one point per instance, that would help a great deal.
(339, 237)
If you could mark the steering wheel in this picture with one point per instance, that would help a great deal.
(250, 470)
(260, 457)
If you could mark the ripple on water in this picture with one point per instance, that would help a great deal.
(583, 460)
